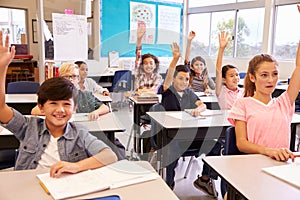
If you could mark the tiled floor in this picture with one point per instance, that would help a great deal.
(184, 188)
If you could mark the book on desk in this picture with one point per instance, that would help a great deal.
(118, 174)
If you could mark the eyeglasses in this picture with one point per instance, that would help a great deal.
(71, 77)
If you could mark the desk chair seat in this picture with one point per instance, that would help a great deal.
(22, 87)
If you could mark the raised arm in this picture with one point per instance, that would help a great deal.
(6, 56)
(139, 35)
(223, 41)
(169, 77)
(294, 86)
(191, 36)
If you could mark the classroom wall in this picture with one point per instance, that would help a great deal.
(99, 64)
(50, 6)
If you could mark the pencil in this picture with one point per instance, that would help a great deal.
(44, 188)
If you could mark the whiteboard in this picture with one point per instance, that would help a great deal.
(70, 37)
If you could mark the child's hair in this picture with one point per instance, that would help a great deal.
(181, 68)
(225, 68)
(67, 67)
(57, 88)
(204, 73)
(78, 63)
(149, 55)
(252, 68)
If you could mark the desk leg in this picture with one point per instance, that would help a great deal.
(293, 136)
(136, 128)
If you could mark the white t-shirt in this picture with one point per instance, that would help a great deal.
(50, 155)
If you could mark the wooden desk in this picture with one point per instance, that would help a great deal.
(21, 102)
(244, 175)
(139, 108)
(25, 185)
(19, 64)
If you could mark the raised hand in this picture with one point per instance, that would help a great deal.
(175, 50)
(6, 54)
(141, 31)
(192, 35)
(223, 39)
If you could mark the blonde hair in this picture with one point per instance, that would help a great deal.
(66, 68)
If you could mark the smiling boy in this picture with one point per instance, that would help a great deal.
(52, 142)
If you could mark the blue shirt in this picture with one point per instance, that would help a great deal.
(76, 143)
(172, 101)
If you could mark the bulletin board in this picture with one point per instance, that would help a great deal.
(115, 27)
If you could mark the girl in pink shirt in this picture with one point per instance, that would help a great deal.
(262, 124)
(227, 78)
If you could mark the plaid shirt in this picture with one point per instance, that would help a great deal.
(141, 80)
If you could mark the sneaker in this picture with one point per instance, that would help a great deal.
(207, 187)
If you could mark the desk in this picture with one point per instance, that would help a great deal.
(105, 99)
(139, 108)
(188, 128)
(11, 188)
(244, 175)
(21, 102)
(106, 77)
(106, 125)
(211, 101)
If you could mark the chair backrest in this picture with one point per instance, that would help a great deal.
(22, 87)
(122, 81)
(230, 147)
(242, 74)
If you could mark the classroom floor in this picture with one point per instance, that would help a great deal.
(184, 188)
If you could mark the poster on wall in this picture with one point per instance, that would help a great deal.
(142, 14)
(70, 37)
(168, 24)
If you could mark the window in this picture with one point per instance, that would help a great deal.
(199, 3)
(244, 25)
(12, 21)
(245, 20)
(287, 32)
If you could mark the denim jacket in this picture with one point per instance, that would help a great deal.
(76, 143)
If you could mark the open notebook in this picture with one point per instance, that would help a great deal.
(289, 173)
(119, 174)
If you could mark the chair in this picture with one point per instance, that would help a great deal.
(22, 87)
(230, 148)
(242, 74)
(121, 83)
(8, 158)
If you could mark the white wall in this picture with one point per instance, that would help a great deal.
(96, 67)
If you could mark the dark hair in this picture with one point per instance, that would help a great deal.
(57, 88)
(78, 63)
(252, 68)
(204, 73)
(149, 55)
(181, 68)
(225, 68)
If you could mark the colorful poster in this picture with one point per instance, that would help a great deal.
(142, 14)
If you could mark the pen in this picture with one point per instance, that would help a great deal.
(44, 188)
